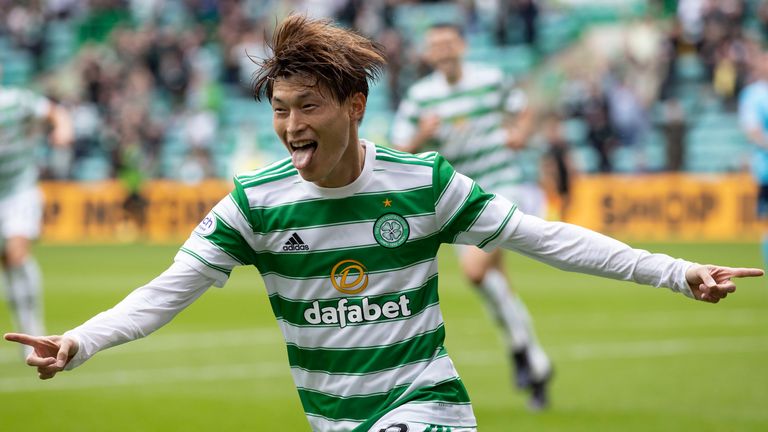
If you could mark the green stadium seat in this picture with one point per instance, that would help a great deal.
(575, 131)
(689, 68)
(584, 158)
(92, 168)
(17, 67)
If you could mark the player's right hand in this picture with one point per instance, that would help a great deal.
(50, 353)
(428, 125)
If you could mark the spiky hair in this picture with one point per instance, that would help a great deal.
(339, 60)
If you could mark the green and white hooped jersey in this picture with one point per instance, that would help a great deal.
(18, 169)
(351, 274)
(471, 135)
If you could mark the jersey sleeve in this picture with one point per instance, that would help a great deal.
(466, 214)
(574, 248)
(219, 243)
(142, 312)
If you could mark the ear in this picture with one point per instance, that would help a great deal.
(357, 106)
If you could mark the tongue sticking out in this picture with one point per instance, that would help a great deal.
(301, 157)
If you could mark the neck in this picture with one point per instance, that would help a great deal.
(455, 75)
(350, 166)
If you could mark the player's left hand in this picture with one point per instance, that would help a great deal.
(711, 283)
(51, 353)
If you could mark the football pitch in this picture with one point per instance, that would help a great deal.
(627, 358)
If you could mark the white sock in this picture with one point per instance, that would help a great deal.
(515, 320)
(25, 297)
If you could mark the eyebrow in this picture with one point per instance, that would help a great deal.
(303, 95)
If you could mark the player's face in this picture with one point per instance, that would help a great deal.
(444, 50)
(319, 132)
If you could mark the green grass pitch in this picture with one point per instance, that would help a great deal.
(628, 358)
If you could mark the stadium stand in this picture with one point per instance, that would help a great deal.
(189, 52)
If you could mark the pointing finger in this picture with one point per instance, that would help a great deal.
(21, 338)
(747, 272)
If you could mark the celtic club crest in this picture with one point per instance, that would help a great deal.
(391, 230)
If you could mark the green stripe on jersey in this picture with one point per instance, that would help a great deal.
(364, 360)
(254, 178)
(471, 92)
(357, 208)
(354, 408)
(231, 242)
(467, 214)
(204, 261)
(375, 258)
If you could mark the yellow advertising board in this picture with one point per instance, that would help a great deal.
(638, 207)
(105, 211)
(667, 206)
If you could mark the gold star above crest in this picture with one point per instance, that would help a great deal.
(387, 202)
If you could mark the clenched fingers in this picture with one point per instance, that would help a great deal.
(35, 360)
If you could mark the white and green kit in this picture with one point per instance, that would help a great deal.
(352, 278)
(472, 113)
(18, 168)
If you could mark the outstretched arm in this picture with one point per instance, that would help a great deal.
(143, 311)
(573, 248)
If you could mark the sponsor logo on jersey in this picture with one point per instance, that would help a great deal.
(295, 243)
(349, 276)
(391, 230)
(345, 313)
(207, 226)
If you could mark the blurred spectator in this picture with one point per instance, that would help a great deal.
(675, 126)
(628, 116)
(691, 16)
(762, 16)
(528, 13)
(248, 50)
(557, 167)
(26, 24)
(514, 14)
(600, 133)
(196, 167)
(671, 45)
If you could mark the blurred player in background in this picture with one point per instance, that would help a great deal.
(21, 202)
(753, 115)
(479, 122)
(345, 234)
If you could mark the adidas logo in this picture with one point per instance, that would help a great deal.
(295, 243)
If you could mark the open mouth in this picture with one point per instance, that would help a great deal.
(302, 152)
